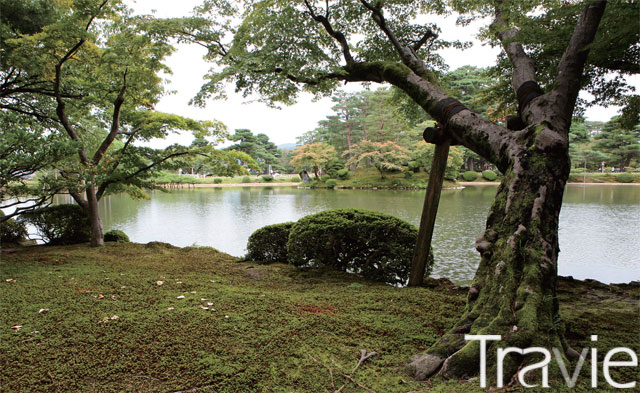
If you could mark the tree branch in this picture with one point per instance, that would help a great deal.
(571, 66)
(337, 35)
(115, 122)
(523, 66)
(407, 54)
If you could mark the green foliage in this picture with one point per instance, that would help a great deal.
(422, 157)
(625, 178)
(217, 180)
(408, 175)
(376, 245)
(12, 231)
(343, 173)
(331, 183)
(258, 147)
(246, 179)
(470, 175)
(117, 236)
(385, 156)
(333, 168)
(489, 175)
(325, 177)
(267, 178)
(60, 224)
(269, 244)
(312, 157)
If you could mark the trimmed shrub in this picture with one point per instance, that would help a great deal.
(217, 180)
(246, 179)
(489, 175)
(269, 244)
(294, 179)
(414, 166)
(12, 231)
(376, 245)
(61, 224)
(331, 183)
(116, 236)
(343, 173)
(624, 178)
(408, 174)
(267, 178)
(325, 178)
(396, 182)
(470, 175)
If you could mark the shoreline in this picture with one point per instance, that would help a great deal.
(461, 183)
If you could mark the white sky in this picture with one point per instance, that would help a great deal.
(284, 125)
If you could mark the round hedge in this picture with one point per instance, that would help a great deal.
(624, 178)
(269, 244)
(217, 180)
(343, 173)
(470, 175)
(489, 175)
(61, 224)
(267, 178)
(376, 245)
(116, 236)
(246, 179)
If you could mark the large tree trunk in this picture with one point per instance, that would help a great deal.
(514, 291)
(97, 238)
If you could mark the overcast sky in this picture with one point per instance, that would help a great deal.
(284, 125)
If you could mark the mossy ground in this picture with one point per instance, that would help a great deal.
(268, 322)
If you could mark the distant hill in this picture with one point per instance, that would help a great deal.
(287, 146)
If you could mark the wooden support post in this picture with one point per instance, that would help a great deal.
(429, 211)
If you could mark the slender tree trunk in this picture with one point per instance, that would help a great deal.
(97, 238)
(514, 291)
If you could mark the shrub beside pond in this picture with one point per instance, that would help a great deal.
(624, 178)
(61, 224)
(470, 175)
(489, 175)
(378, 246)
(331, 183)
(269, 244)
(12, 231)
(267, 178)
(246, 179)
(217, 180)
(116, 236)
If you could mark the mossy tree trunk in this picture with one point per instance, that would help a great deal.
(514, 290)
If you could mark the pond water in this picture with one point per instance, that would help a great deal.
(599, 225)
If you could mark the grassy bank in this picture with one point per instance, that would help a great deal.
(599, 177)
(107, 325)
(172, 178)
(371, 178)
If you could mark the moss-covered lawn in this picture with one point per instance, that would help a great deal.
(109, 326)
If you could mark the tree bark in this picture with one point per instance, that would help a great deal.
(514, 290)
(97, 236)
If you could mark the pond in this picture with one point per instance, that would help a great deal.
(599, 224)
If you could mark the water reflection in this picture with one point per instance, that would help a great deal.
(599, 225)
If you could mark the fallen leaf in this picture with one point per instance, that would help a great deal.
(11, 280)
(113, 297)
(212, 280)
(100, 297)
(193, 292)
(43, 310)
(16, 327)
(113, 318)
(160, 283)
(123, 287)
(180, 297)
(178, 282)
(203, 299)
(204, 308)
(226, 316)
(209, 304)
(170, 308)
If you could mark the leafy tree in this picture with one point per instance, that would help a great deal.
(385, 156)
(312, 157)
(280, 49)
(88, 71)
(620, 145)
(422, 156)
(259, 147)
